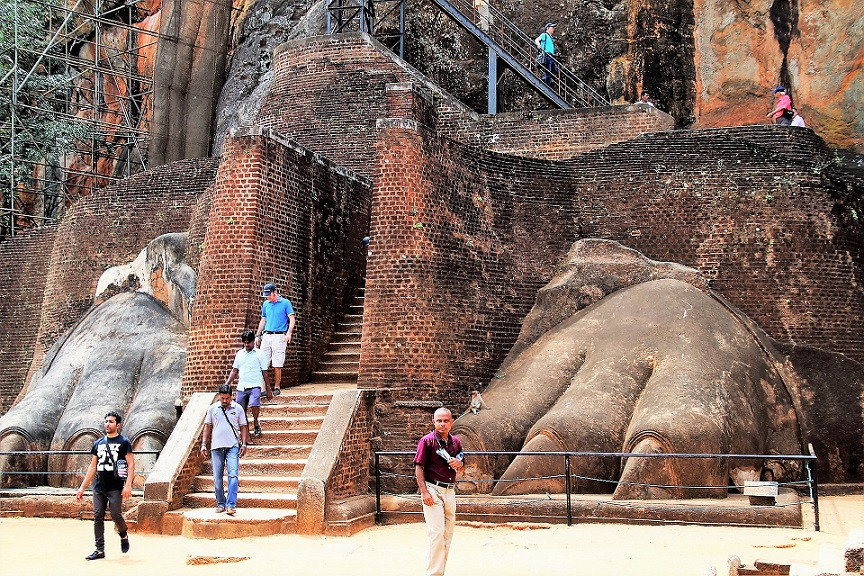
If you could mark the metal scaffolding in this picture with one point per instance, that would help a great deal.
(93, 78)
(383, 19)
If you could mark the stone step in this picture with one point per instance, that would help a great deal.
(343, 348)
(275, 421)
(335, 376)
(244, 499)
(206, 523)
(265, 467)
(342, 356)
(344, 335)
(260, 449)
(290, 411)
(337, 364)
(268, 484)
(293, 400)
(352, 318)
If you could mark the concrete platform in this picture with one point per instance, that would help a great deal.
(734, 510)
(206, 523)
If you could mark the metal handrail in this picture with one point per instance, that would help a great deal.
(505, 36)
(810, 471)
(61, 453)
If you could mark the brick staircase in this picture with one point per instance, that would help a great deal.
(270, 471)
(341, 363)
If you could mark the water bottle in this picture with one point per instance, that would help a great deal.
(122, 469)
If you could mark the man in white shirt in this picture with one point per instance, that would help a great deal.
(250, 371)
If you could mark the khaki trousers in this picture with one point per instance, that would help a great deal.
(440, 521)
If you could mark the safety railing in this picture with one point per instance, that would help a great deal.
(808, 484)
(504, 35)
(81, 472)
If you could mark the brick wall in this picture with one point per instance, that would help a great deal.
(279, 214)
(351, 474)
(557, 134)
(25, 258)
(329, 91)
(462, 238)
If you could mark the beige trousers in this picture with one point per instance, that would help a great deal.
(440, 521)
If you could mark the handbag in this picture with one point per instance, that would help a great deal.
(541, 58)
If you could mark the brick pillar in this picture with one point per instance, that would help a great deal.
(226, 295)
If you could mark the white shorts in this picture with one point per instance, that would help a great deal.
(273, 346)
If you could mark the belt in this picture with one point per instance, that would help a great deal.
(442, 484)
(274, 332)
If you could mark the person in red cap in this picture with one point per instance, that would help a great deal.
(782, 112)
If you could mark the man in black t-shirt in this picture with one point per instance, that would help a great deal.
(110, 452)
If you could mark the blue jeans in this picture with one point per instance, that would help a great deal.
(551, 69)
(220, 458)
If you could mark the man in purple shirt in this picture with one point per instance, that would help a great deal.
(438, 460)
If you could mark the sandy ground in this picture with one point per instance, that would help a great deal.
(37, 546)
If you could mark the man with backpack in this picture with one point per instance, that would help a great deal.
(782, 112)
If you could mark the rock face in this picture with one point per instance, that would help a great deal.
(816, 49)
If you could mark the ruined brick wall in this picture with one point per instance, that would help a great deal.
(198, 228)
(351, 473)
(25, 259)
(463, 238)
(279, 214)
(107, 228)
(327, 94)
(329, 91)
(557, 134)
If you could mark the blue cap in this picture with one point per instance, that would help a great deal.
(778, 89)
(550, 25)
(268, 289)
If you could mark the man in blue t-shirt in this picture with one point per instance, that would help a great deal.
(547, 46)
(110, 452)
(274, 331)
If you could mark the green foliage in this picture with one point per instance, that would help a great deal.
(32, 96)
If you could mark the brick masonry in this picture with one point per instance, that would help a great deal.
(351, 473)
(330, 90)
(25, 259)
(278, 213)
(557, 134)
(463, 234)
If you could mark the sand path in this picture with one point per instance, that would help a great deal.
(37, 546)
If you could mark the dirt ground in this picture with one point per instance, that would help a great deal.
(37, 546)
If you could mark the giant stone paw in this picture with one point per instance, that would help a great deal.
(126, 354)
(656, 366)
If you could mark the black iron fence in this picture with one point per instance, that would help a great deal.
(807, 484)
(4, 473)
